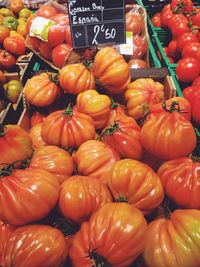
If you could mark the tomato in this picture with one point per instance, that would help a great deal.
(1, 19)
(27, 195)
(115, 236)
(6, 12)
(173, 49)
(33, 244)
(116, 111)
(184, 39)
(54, 160)
(36, 118)
(68, 37)
(34, 42)
(42, 90)
(123, 134)
(7, 61)
(4, 33)
(191, 49)
(5, 232)
(56, 35)
(138, 64)
(142, 93)
(60, 54)
(67, 128)
(188, 69)
(79, 192)
(76, 78)
(196, 18)
(180, 180)
(196, 81)
(133, 23)
(25, 13)
(95, 105)
(45, 50)
(177, 18)
(14, 46)
(29, 22)
(179, 28)
(156, 20)
(175, 241)
(181, 6)
(15, 144)
(16, 5)
(12, 90)
(140, 46)
(21, 21)
(196, 111)
(21, 29)
(17, 35)
(166, 15)
(61, 19)
(192, 93)
(171, 60)
(164, 135)
(35, 134)
(122, 180)
(111, 70)
(47, 11)
(94, 158)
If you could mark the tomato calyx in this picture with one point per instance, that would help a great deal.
(6, 171)
(113, 103)
(68, 229)
(2, 130)
(122, 198)
(99, 261)
(181, 6)
(53, 77)
(68, 111)
(88, 64)
(111, 129)
(174, 107)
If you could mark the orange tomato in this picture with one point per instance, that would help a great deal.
(17, 35)
(16, 5)
(35, 134)
(36, 118)
(4, 33)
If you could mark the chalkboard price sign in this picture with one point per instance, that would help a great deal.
(95, 22)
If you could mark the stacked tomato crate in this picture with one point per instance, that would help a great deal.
(99, 156)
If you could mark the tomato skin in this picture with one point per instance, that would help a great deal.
(41, 91)
(116, 111)
(165, 133)
(187, 5)
(140, 46)
(169, 242)
(140, 93)
(156, 20)
(184, 39)
(56, 35)
(137, 64)
(54, 160)
(76, 78)
(122, 180)
(172, 49)
(7, 61)
(47, 11)
(196, 18)
(34, 42)
(123, 134)
(191, 49)
(61, 19)
(192, 93)
(187, 69)
(95, 105)
(133, 23)
(45, 50)
(166, 15)
(177, 18)
(35, 134)
(29, 22)
(4, 33)
(67, 128)
(179, 28)
(16, 192)
(60, 54)
(196, 81)
(31, 244)
(102, 235)
(16, 6)
(79, 192)
(5, 232)
(196, 111)
(94, 158)
(15, 144)
(111, 70)
(14, 46)
(36, 118)
(68, 37)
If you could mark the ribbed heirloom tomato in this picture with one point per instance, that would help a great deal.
(114, 236)
(181, 180)
(174, 242)
(136, 183)
(81, 196)
(111, 70)
(67, 128)
(36, 246)
(35, 134)
(27, 195)
(36, 118)
(55, 160)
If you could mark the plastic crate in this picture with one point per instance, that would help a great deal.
(154, 62)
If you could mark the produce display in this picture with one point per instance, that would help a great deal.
(102, 167)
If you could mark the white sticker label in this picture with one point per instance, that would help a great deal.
(126, 49)
(40, 28)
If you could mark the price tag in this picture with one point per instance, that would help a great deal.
(126, 49)
(97, 22)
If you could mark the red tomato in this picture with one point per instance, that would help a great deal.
(166, 16)
(140, 46)
(192, 93)
(196, 81)
(179, 28)
(196, 111)
(171, 60)
(29, 22)
(61, 19)
(68, 37)
(138, 64)
(14, 46)
(184, 39)
(36, 118)
(181, 5)
(156, 20)
(56, 35)
(7, 61)
(46, 11)
(60, 54)
(4, 33)
(196, 18)
(34, 42)
(133, 22)
(177, 18)
(45, 50)
(188, 69)
(191, 49)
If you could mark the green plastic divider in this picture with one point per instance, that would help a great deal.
(153, 58)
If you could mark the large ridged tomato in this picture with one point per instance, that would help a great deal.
(36, 118)
(114, 236)
(136, 183)
(35, 134)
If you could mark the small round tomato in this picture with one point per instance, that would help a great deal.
(45, 50)
(14, 46)
(196, 81)
(177, 18)
(47, 11)
(192, 93)
(138, 64)
(133, 22)
(172, 49)
(188, 69)
(140, 45)
(16, 5)
(191, 49)
(171, 60)
(61, 19)
(196, 18)
(12, 90)
(166, 15)
(4, 33)
(7, 61)
(60, 54)
(184, 39)
(181, 6)
(156, 20)
(179, 28)
(196, 111)
(56, 35)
